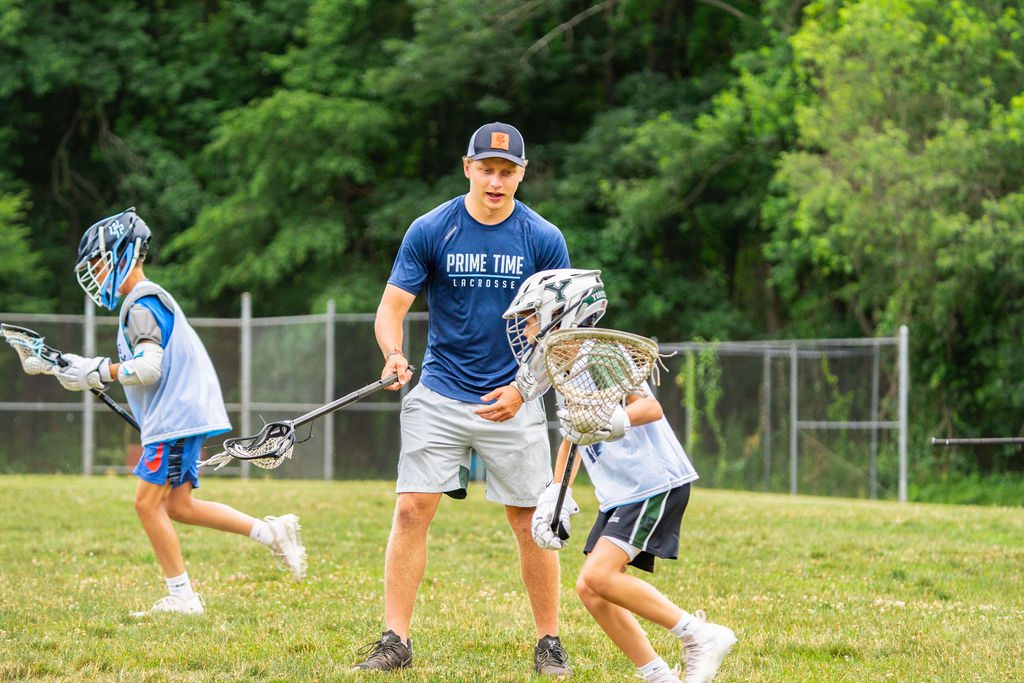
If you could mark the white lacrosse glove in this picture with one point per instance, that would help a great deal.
(543, 536)
(616, 428)
(530, 384)
(532, 378)
(82, 374)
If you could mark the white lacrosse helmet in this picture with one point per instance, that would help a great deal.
(550, 300)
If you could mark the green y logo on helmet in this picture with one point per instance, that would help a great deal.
(558, 288)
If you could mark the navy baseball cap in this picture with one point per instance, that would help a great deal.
(497, 140)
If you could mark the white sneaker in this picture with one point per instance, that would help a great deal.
(172, 604)
(669, 676)
(704, 647)
(287, 545)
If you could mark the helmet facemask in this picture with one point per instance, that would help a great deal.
(93, 274)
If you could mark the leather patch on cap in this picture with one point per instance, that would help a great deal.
(499, 141)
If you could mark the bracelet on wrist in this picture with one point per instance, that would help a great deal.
(394, 352)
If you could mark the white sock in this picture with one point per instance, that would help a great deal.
(684, 623)
(652, 669)
(262, 532)
(180, 586)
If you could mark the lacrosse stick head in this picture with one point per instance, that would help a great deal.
(36, 357)
(557, 299)
(268, 449)
(595, 369)
(107, 253)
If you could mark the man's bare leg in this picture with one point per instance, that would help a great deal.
(540, 571)
(406, 558)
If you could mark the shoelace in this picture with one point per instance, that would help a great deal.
(555, 654)
(379, 649)
(163, 602)
(277, 547)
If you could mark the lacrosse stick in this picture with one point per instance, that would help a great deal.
(275, 442)
(594, 369)
(38, 358)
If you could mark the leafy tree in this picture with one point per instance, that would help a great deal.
(903, 202)
(22, 281)
(665, 194)
(104, 106)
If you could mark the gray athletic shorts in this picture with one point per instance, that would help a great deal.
(438, 434)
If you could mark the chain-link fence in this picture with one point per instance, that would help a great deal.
(819, 416)
(269, 369)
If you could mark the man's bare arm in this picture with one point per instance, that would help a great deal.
(394, 305)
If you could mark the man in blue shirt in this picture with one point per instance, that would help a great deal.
(469, 255)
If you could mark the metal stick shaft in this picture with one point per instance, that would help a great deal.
(982, 441)
(112, 404)
(570, 463)
(356, 395)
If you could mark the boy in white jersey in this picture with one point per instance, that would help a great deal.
(641, 477)
(172, 390)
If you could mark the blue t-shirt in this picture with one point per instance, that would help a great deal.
(471, 272)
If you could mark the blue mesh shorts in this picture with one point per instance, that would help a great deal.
(171, 462)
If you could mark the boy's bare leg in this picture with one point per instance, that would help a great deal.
(604, 574)
(406, 558)
(280, 535)
(540, 571)
(620, 625)
(182, 507)
(150, 507)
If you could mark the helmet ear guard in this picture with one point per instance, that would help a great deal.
(108, 252)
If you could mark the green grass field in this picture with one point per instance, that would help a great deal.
(816, 589)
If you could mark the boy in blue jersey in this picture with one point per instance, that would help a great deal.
(468, 256)
(172, 390)
(641, 477)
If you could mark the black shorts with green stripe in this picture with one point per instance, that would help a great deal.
(651, 526)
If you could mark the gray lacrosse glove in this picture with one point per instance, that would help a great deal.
(82, 374)
(543, 536)
(616, 428)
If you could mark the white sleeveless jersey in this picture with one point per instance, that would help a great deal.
(187, 400)
(647, 461)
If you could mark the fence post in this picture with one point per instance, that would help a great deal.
(691, 401)
(88, 405)
(766, 418)
(246, 371)
(793, 436)
(904, 393)
(329, 393)
(873, 465)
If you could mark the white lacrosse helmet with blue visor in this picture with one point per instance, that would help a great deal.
(108, 252)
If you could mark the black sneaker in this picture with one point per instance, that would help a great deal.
(386, 654)
(550, 658)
